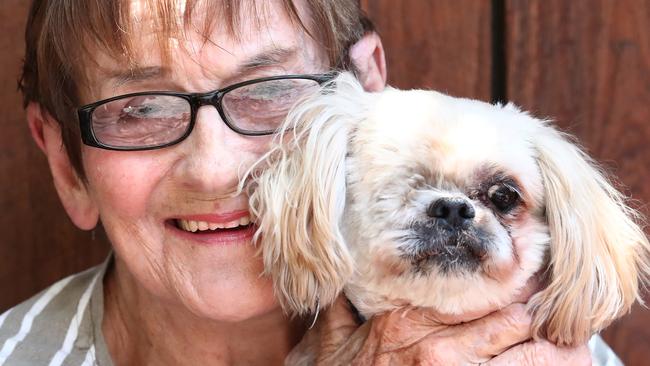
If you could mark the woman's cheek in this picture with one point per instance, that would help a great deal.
(122, 184)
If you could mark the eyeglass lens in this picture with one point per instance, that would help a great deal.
(142, 121)
(262, 107)
(155, 120)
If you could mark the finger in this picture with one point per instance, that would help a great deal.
(337, 323)
(403, 327)
(493, 334)
(341, 337)
(430, 316)
(542, 353)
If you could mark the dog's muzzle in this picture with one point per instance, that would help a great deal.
(449, 238)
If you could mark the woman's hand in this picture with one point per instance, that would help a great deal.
(421, 337)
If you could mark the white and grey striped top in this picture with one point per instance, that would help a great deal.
(59, 326)
(62, 326)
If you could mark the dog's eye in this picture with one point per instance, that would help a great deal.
(503, 197)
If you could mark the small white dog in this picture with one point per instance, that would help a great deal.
(415, 198)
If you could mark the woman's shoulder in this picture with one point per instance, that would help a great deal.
(53, 325)
(601, 354)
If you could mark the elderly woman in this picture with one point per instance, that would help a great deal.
(148, 111)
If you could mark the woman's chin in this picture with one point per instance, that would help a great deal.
(231, 303)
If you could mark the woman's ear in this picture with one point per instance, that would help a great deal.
(369, 60)
(72, 191)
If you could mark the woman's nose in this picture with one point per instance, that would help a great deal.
(213, 156)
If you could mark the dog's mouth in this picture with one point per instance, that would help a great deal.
(430, 245)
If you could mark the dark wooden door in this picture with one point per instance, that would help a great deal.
(584, 62)
(587, 64)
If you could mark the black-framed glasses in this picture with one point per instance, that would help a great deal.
(153, 120)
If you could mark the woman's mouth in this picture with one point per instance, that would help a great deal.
(193, 226)
(229, 228)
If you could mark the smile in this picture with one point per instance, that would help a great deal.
(204, 226)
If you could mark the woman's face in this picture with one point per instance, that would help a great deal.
(142, 195)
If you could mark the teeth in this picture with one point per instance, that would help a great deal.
(183, 224)
(194, 226)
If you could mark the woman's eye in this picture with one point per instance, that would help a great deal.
(141, 111)
(503, 197)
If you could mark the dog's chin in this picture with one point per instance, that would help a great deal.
(450, 285)
(459, 273)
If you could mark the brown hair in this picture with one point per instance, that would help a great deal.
(60, 35)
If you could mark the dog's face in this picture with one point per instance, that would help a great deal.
(415, 198)
(451, 201)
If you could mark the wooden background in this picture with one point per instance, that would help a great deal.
(586, 63)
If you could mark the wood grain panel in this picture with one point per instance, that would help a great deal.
(38, 244)
(438, 44)
(586, 63)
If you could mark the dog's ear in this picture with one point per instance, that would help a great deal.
(598, 254)
(298, 198)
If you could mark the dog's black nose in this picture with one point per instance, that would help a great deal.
(455, 211)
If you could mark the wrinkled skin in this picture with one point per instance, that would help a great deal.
(416, 336)
(421, 337)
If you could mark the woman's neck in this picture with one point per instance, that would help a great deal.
(142, 330)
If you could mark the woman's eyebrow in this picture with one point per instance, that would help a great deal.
(268, 57)
(138, 74)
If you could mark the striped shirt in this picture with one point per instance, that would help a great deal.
(59, 326)
(62, 325)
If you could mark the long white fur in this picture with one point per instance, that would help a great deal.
(308, 155)
(352, 169)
